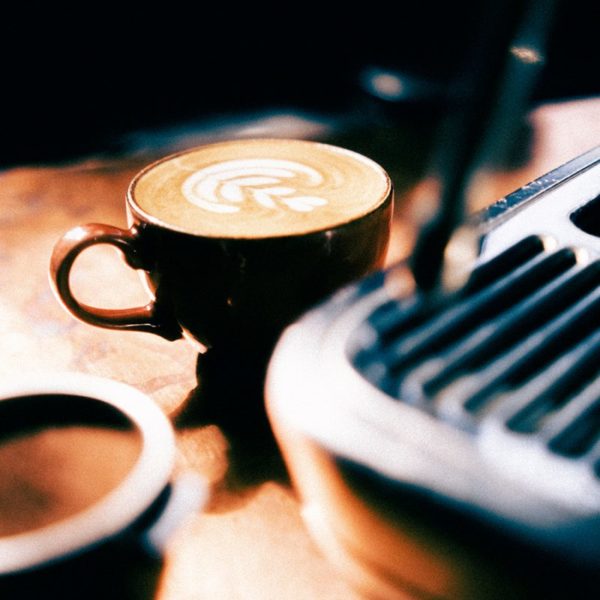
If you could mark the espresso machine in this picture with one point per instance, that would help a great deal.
(446, 444)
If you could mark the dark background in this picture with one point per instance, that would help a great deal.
(74, 81)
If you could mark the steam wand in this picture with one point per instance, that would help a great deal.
(490, 97)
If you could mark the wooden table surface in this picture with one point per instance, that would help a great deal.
(250, 541)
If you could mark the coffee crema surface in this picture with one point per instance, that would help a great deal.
(259, 188)
(52, 473)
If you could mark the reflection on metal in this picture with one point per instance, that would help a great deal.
(527, 54)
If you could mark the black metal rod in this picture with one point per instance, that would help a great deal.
(493, 90)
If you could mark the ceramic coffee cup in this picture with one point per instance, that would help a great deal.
(236, 239)
(87, 492)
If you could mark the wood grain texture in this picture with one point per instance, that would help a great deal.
(250, 543)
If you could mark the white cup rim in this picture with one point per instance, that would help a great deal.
(120, 507)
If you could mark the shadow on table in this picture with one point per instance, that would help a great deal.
(230, 395)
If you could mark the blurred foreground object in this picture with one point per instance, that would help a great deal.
(448, 446)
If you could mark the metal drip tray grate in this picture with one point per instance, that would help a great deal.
(519, 344)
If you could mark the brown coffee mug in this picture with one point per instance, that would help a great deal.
(236, 239)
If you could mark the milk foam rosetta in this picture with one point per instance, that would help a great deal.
(226, 187)
(260, 188)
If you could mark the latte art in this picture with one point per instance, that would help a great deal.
(259, 189)
(225, 187)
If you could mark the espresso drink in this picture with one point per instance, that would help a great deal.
(237, 239)
(260, 188)
(50, 473)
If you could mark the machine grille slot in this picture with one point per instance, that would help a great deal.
(581, 435)
(587, 218)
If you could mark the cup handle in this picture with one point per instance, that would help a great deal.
(152, 318)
